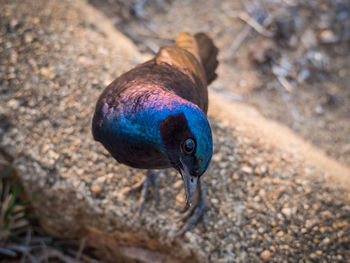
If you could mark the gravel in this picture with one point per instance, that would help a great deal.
(264, 204)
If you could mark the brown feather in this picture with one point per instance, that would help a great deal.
(188, 58)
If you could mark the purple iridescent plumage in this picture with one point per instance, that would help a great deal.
(128, 113)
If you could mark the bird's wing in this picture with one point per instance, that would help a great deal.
(182, 60)
(185, 57)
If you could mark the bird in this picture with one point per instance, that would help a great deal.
(155, 117)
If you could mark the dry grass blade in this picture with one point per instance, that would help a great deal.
(19, 224)
(27, 242)
(12, 214)
(7, 252)
(250, 23)
(5, 205)
(48, 253)
(81, 248)
(24, 250)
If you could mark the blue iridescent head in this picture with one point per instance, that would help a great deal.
(187, 140)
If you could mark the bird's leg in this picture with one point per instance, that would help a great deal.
(150, 180)
(197, 211)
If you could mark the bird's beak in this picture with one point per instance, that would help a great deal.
(190, 182)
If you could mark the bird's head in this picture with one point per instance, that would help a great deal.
(187, 142)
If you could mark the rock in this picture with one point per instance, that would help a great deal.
(235, 176)
(246, 169)
(13, 103)
(265, 255)
(47, 72)
(287, 211)
(28, 38)
(178, 184)
(319, 109)
(325, 241)
(180, 199)
(319, 59)
(214, 201)
(80, 191)
(280, 233)
(328, 36)
(313, 256)
(96, 189)
(217, 157)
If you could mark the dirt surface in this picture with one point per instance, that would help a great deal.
(265, 203)
(307, 43)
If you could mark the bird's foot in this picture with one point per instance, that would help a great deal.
(196, 212)
(151, 180)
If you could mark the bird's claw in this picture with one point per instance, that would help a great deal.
(196, 212)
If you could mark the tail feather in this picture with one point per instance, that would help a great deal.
(203, 48)
(189, 43)
(208, 53)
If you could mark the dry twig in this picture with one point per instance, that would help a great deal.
(239, 40)
(284, 82)
(252, 22)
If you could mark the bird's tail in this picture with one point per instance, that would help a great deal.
(208, 53)
(203, 48)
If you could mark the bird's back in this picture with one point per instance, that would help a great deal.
(196, 57)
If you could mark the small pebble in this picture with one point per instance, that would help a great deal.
(326, 241)
(178, 184)
(96, 188)
(47, 73)
(217, 157)
(35, 20)
(328, 36)
(180, 199)
(13, 103)
(247, 169)
(265, 255)
(235, 176)
(101, 179)
(298, 181)
(45, 148)
(319, 109)
(287, 211)
(28, 38)
(214, 201)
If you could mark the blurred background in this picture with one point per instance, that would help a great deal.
(290, 59)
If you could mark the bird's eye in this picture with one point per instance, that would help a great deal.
(188, 146)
